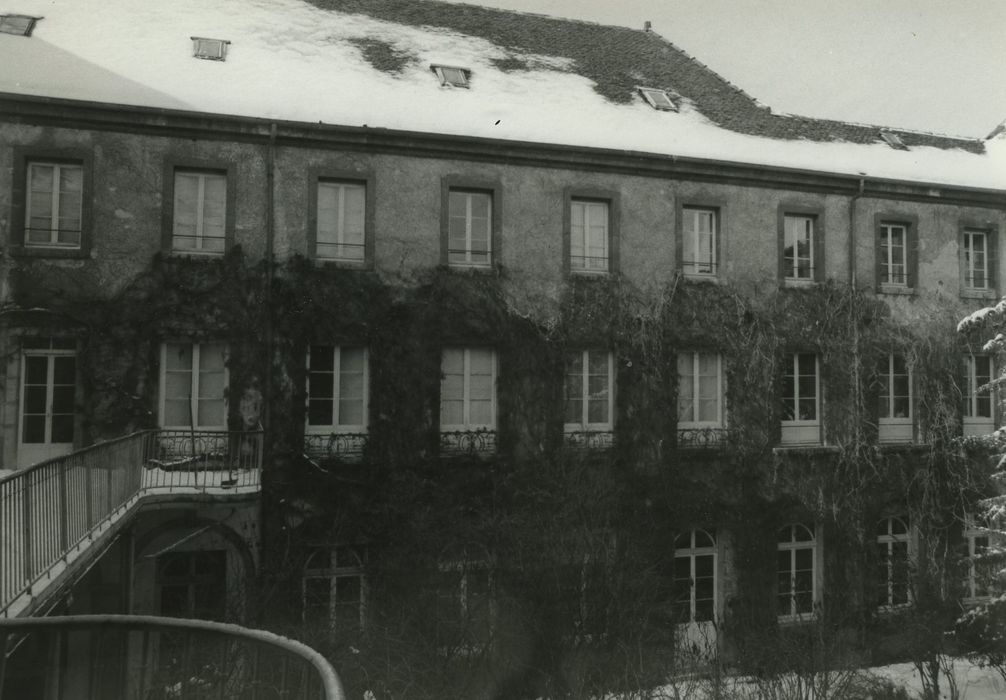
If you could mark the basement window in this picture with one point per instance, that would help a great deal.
(893, 140)
(18, 25)
(658, 99)
(452, 76)
(210, 49)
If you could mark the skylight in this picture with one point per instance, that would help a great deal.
(19, 25)
(211, 49)
(452, 76)
(658, 99)
(893, 140)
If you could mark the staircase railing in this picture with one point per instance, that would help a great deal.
(50, 511)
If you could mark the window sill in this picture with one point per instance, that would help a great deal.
(794, 620)
(23, 251)
(589, 273)
(343, 264)
(896, 290)
(793, 283)
(196, 254)
(789, 448)
(481, 267)
(987, 294)
(702, 278)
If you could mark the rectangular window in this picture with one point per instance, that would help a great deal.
(337, 384)
(588, 236)
(341, 221)
(893, 248)
(976, 259)
(699, 233)
(796, 570)
(978, 406)
(48, 399)
(589, 390)
(194, 386)
(801, 399)
(982, 569)
(54, 205)
(199, 223)
(468, 389)
(700, 390)
(470, 228)
(894, 401)
(798, 247)
(193, 584)
(463, 606)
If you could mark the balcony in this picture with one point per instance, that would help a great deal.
(709, 438)
(342, 447)
(473, 443)
(55, 514)
(589, 440)
(123, 656)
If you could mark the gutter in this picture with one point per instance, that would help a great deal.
(79, 114)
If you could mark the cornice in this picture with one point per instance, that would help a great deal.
(151, 121)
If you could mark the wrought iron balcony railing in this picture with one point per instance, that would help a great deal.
(589, 439)
(51, 511)
(345, 447)
(702, 438)
(479, 442)
(125, 656)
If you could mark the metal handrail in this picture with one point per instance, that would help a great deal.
(49, 509)
(184, 634)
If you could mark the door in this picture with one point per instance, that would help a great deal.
(48, 393)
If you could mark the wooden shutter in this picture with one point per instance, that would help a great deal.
(992, 236)
(818, 261)
(912, 253)
(878, 254)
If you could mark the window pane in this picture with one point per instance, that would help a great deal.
(211, 413)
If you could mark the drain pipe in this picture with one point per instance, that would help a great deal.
(270, 253)
(856, 362)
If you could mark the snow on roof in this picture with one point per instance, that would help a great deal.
(367, 63)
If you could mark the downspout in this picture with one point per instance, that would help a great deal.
(853, 321)
(267, 384)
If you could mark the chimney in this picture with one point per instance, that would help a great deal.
(647, 26)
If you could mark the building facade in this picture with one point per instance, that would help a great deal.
(524, 402)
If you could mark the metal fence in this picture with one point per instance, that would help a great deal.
(50, 510)
(126, 656)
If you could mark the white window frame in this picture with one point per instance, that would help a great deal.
(790, 239)
(888, 541)
(695, 358)
(461, 598)
(900, 429)
(54, 206)
(194, 396)
(691, 552)
(693, 233)
(973, 423)
(198, 237)
(334, 574)
(589, 264)
(584, 424)
(972, 533)
(888, 262)
(50, 353)
(797, 431)
(336, 427)
(971, 235)
(792, 546)
(340, 244)
(467, 425)
(467, 252)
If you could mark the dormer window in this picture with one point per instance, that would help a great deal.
(452, 76)
(893, 140)
(210, 49)
(658, 99)
(18, 25)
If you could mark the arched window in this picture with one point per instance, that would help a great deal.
(334, 588)
(694, 585)
(796, 570)
(892, 562)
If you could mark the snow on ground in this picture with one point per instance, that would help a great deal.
(973, 683)
(290, 60)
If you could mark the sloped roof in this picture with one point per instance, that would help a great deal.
(367, 63)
